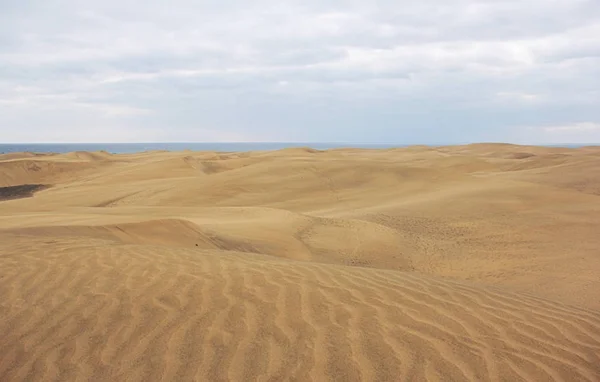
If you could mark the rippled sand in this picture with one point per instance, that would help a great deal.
(458, 263)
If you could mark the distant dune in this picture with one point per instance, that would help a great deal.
(476, 262)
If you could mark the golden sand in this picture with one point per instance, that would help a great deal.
(478, 262)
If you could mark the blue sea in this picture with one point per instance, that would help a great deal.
(127, 148)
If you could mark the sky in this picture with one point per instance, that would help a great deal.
(378, 71)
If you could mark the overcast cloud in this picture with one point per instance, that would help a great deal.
(433, 71)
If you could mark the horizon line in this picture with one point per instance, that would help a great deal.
(300, 142)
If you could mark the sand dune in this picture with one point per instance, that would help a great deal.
(475, 262)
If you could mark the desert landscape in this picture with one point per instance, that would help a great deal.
(459, 263)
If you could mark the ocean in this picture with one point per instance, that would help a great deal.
(128, 148)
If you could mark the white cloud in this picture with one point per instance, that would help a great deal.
(569, 132)
(519, 97)
(574, 127)
(306, 70)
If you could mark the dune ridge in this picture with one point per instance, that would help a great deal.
(474, 262)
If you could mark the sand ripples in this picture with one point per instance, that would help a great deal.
(87, 310)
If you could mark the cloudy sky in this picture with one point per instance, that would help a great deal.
(395, 71)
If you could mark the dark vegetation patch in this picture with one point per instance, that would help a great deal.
(20, 191)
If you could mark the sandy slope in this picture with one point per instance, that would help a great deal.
(474, 262)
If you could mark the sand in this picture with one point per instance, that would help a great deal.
(477, 262)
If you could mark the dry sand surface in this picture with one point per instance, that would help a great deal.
(478, 262)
